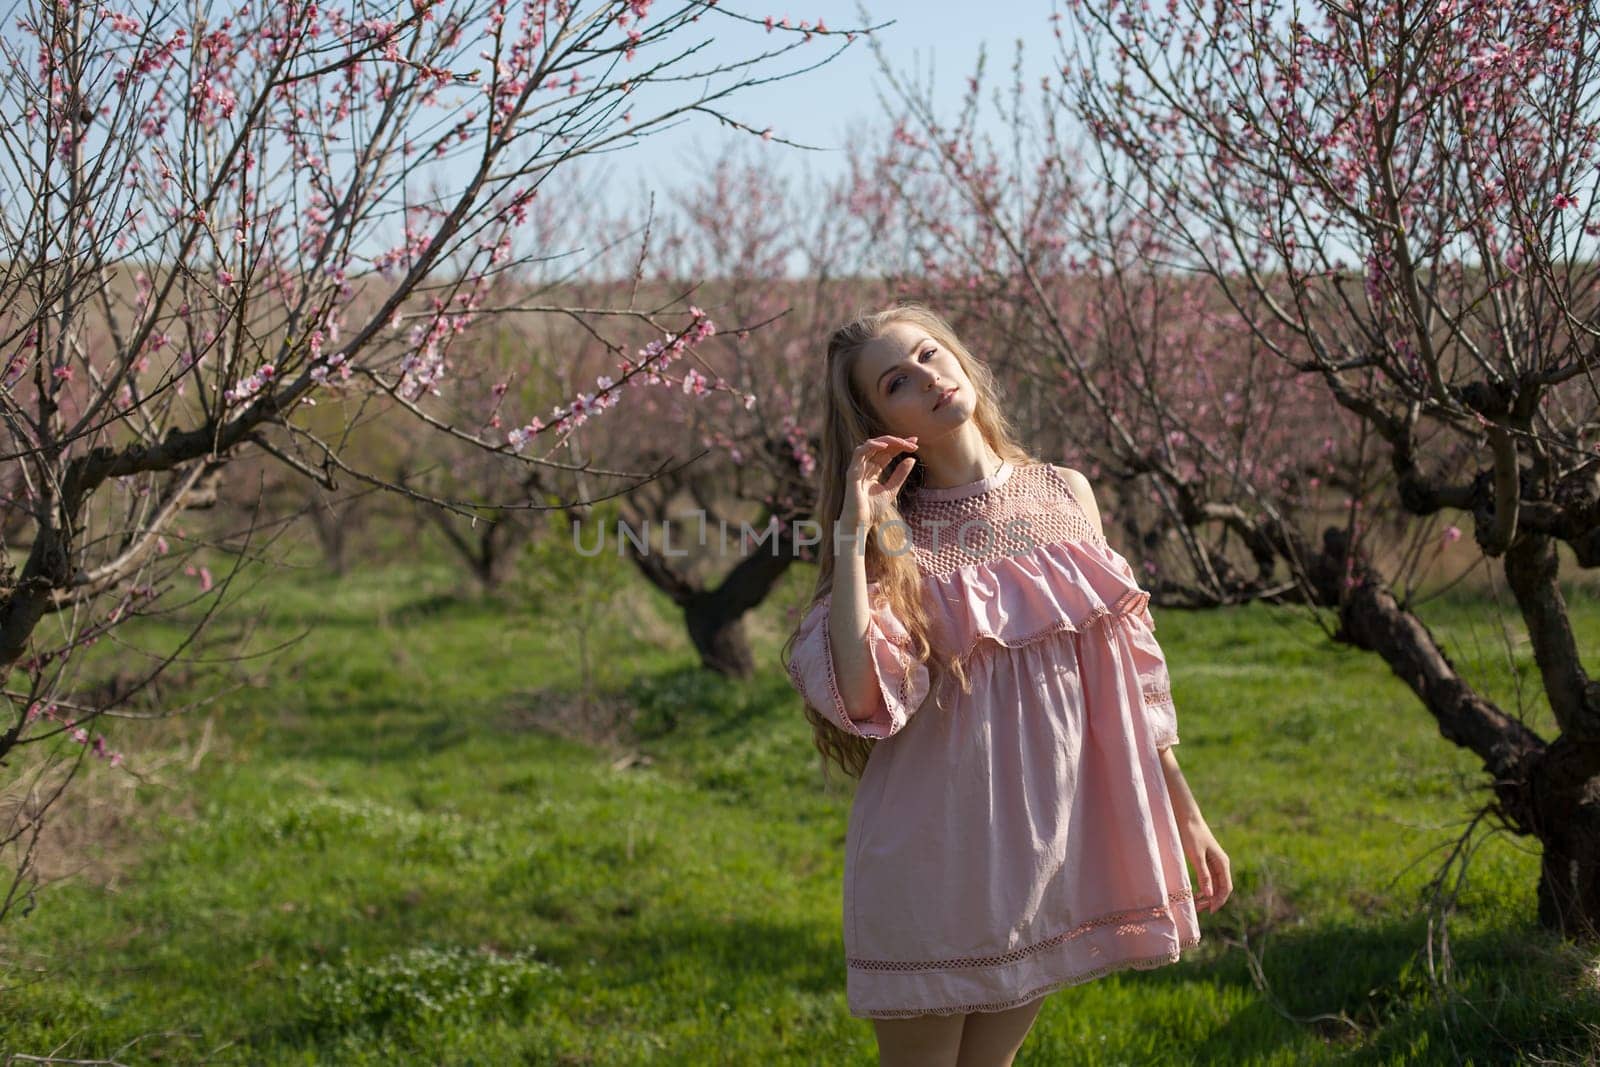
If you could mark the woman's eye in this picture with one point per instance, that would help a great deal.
(895, 382)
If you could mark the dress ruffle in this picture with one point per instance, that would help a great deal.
(1011, 601)
(1016, 600)
(1064, 586)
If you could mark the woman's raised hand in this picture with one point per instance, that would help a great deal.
(866, 467)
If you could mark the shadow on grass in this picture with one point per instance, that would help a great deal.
(1363, 991)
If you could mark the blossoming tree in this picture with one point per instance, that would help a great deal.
(217, 217)
(1399, 202)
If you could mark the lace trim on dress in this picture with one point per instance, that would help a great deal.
(1143, 963)
(1013, 512)
(1159, 695)
(1122, 918)
(833, 687)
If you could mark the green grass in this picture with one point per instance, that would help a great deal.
(392, 853)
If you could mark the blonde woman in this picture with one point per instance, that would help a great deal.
(985, 663)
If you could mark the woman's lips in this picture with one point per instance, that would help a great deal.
(945, 398)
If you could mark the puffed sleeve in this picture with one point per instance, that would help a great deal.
(902, 678)
(1154, 681)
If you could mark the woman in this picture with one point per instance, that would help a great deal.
(986, 664)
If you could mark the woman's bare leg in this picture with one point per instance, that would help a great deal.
(992, 1038)
(919, 1041)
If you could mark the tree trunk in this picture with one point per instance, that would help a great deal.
(1547, 790)
(719, 636)
(714, 614)
(1565, 796)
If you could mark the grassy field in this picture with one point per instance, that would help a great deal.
(411, 837)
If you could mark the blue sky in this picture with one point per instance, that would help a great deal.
(937, 40)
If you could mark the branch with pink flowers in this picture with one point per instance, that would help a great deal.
(228, 228)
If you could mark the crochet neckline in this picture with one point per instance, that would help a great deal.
(958, 492)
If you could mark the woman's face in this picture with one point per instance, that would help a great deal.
(913, 383)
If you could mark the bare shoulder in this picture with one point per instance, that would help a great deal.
(1084, 493)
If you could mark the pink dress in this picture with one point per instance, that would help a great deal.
(1021, 838)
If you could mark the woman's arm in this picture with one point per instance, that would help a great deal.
(847, 631)
(851, 613)
(1212, 868)
(1184, 805)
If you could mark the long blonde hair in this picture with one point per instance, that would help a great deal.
(847, 421)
